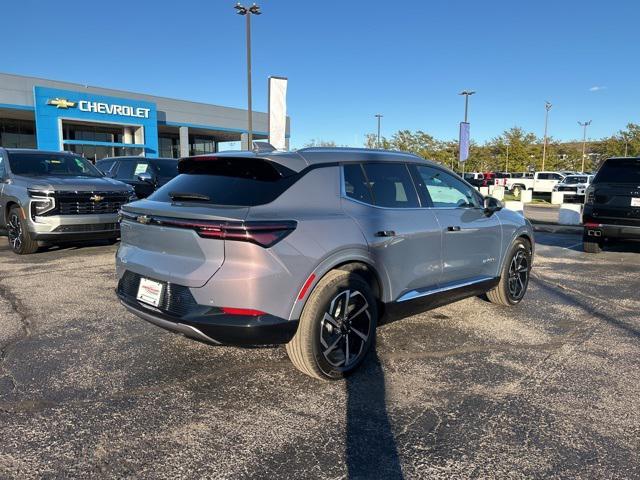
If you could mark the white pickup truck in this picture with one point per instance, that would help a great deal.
(542, 182)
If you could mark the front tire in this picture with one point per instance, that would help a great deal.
(514, 278)
(337, 327)
(19, 236)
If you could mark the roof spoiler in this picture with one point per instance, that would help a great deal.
(263, 147)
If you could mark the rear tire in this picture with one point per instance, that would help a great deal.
(337, 327)
(590, 245)
(19, 236)
(514, 278)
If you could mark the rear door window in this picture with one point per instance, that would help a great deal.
(355, 183)
(391, 185)
(625, 170)
(230, 181)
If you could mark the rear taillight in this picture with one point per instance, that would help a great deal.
(263, 233)
(589, 196)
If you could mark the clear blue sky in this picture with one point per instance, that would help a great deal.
(347, 60)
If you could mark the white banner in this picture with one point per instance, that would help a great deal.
(464, 142)
(278, 112)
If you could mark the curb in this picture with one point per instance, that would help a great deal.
(556, 228)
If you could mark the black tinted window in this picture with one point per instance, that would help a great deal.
(105, 165)
(228, 181)
(51, 164)
(625, 170)
(130, 169)
(355, 184)
(391, 185)
(166, 168)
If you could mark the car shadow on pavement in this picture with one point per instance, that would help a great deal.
(371, 450)
(571, 300)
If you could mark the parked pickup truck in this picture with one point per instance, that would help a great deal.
(542, 182)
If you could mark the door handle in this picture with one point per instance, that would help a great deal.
(453, 228)
(386, 233)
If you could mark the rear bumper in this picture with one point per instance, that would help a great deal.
(218, 328)
(612, 231)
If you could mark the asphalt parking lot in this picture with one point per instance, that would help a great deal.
(550, 388)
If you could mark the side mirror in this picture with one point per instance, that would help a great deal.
(492, 205)
(145, 177)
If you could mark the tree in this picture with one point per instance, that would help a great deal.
(320, 143)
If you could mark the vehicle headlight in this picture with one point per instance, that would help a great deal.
(41, 202)
(132, 196)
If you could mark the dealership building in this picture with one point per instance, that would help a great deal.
(99, 122)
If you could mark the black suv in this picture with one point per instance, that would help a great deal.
(145, 175)
(612, 206)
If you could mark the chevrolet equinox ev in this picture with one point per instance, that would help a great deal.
(312, 248)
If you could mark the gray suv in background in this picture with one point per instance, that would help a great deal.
(56, 197)
(313, 249)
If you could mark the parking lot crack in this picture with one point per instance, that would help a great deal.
(18, 308)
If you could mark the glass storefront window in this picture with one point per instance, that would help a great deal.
(17, 133)
(169, 145)
(201, 144)
(98, 152)
(92, 133)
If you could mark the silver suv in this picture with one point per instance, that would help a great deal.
(56, 197)
(313, 248)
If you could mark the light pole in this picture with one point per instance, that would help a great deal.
(467, 94)
(584, 125)
(247, 12)
(378, 116)
(547, 107)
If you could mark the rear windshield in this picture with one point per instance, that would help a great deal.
(625, 170)
(51, 164)
(227, 181)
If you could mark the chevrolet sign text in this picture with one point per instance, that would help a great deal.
(112, 109)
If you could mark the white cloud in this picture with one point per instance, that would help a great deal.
(597, 88)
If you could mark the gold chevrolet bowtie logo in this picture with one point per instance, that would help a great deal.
(96, 198)
(61, 103)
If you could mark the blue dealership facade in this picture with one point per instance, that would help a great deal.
(98, 122)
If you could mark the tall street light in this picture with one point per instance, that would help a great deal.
(467, 94)
(547, 107)
(378, 116)
(247, 12)
(584, 125)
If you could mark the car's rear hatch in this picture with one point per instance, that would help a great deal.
(178, 234)
(615, 193)
(155, 245)
(617, 204)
